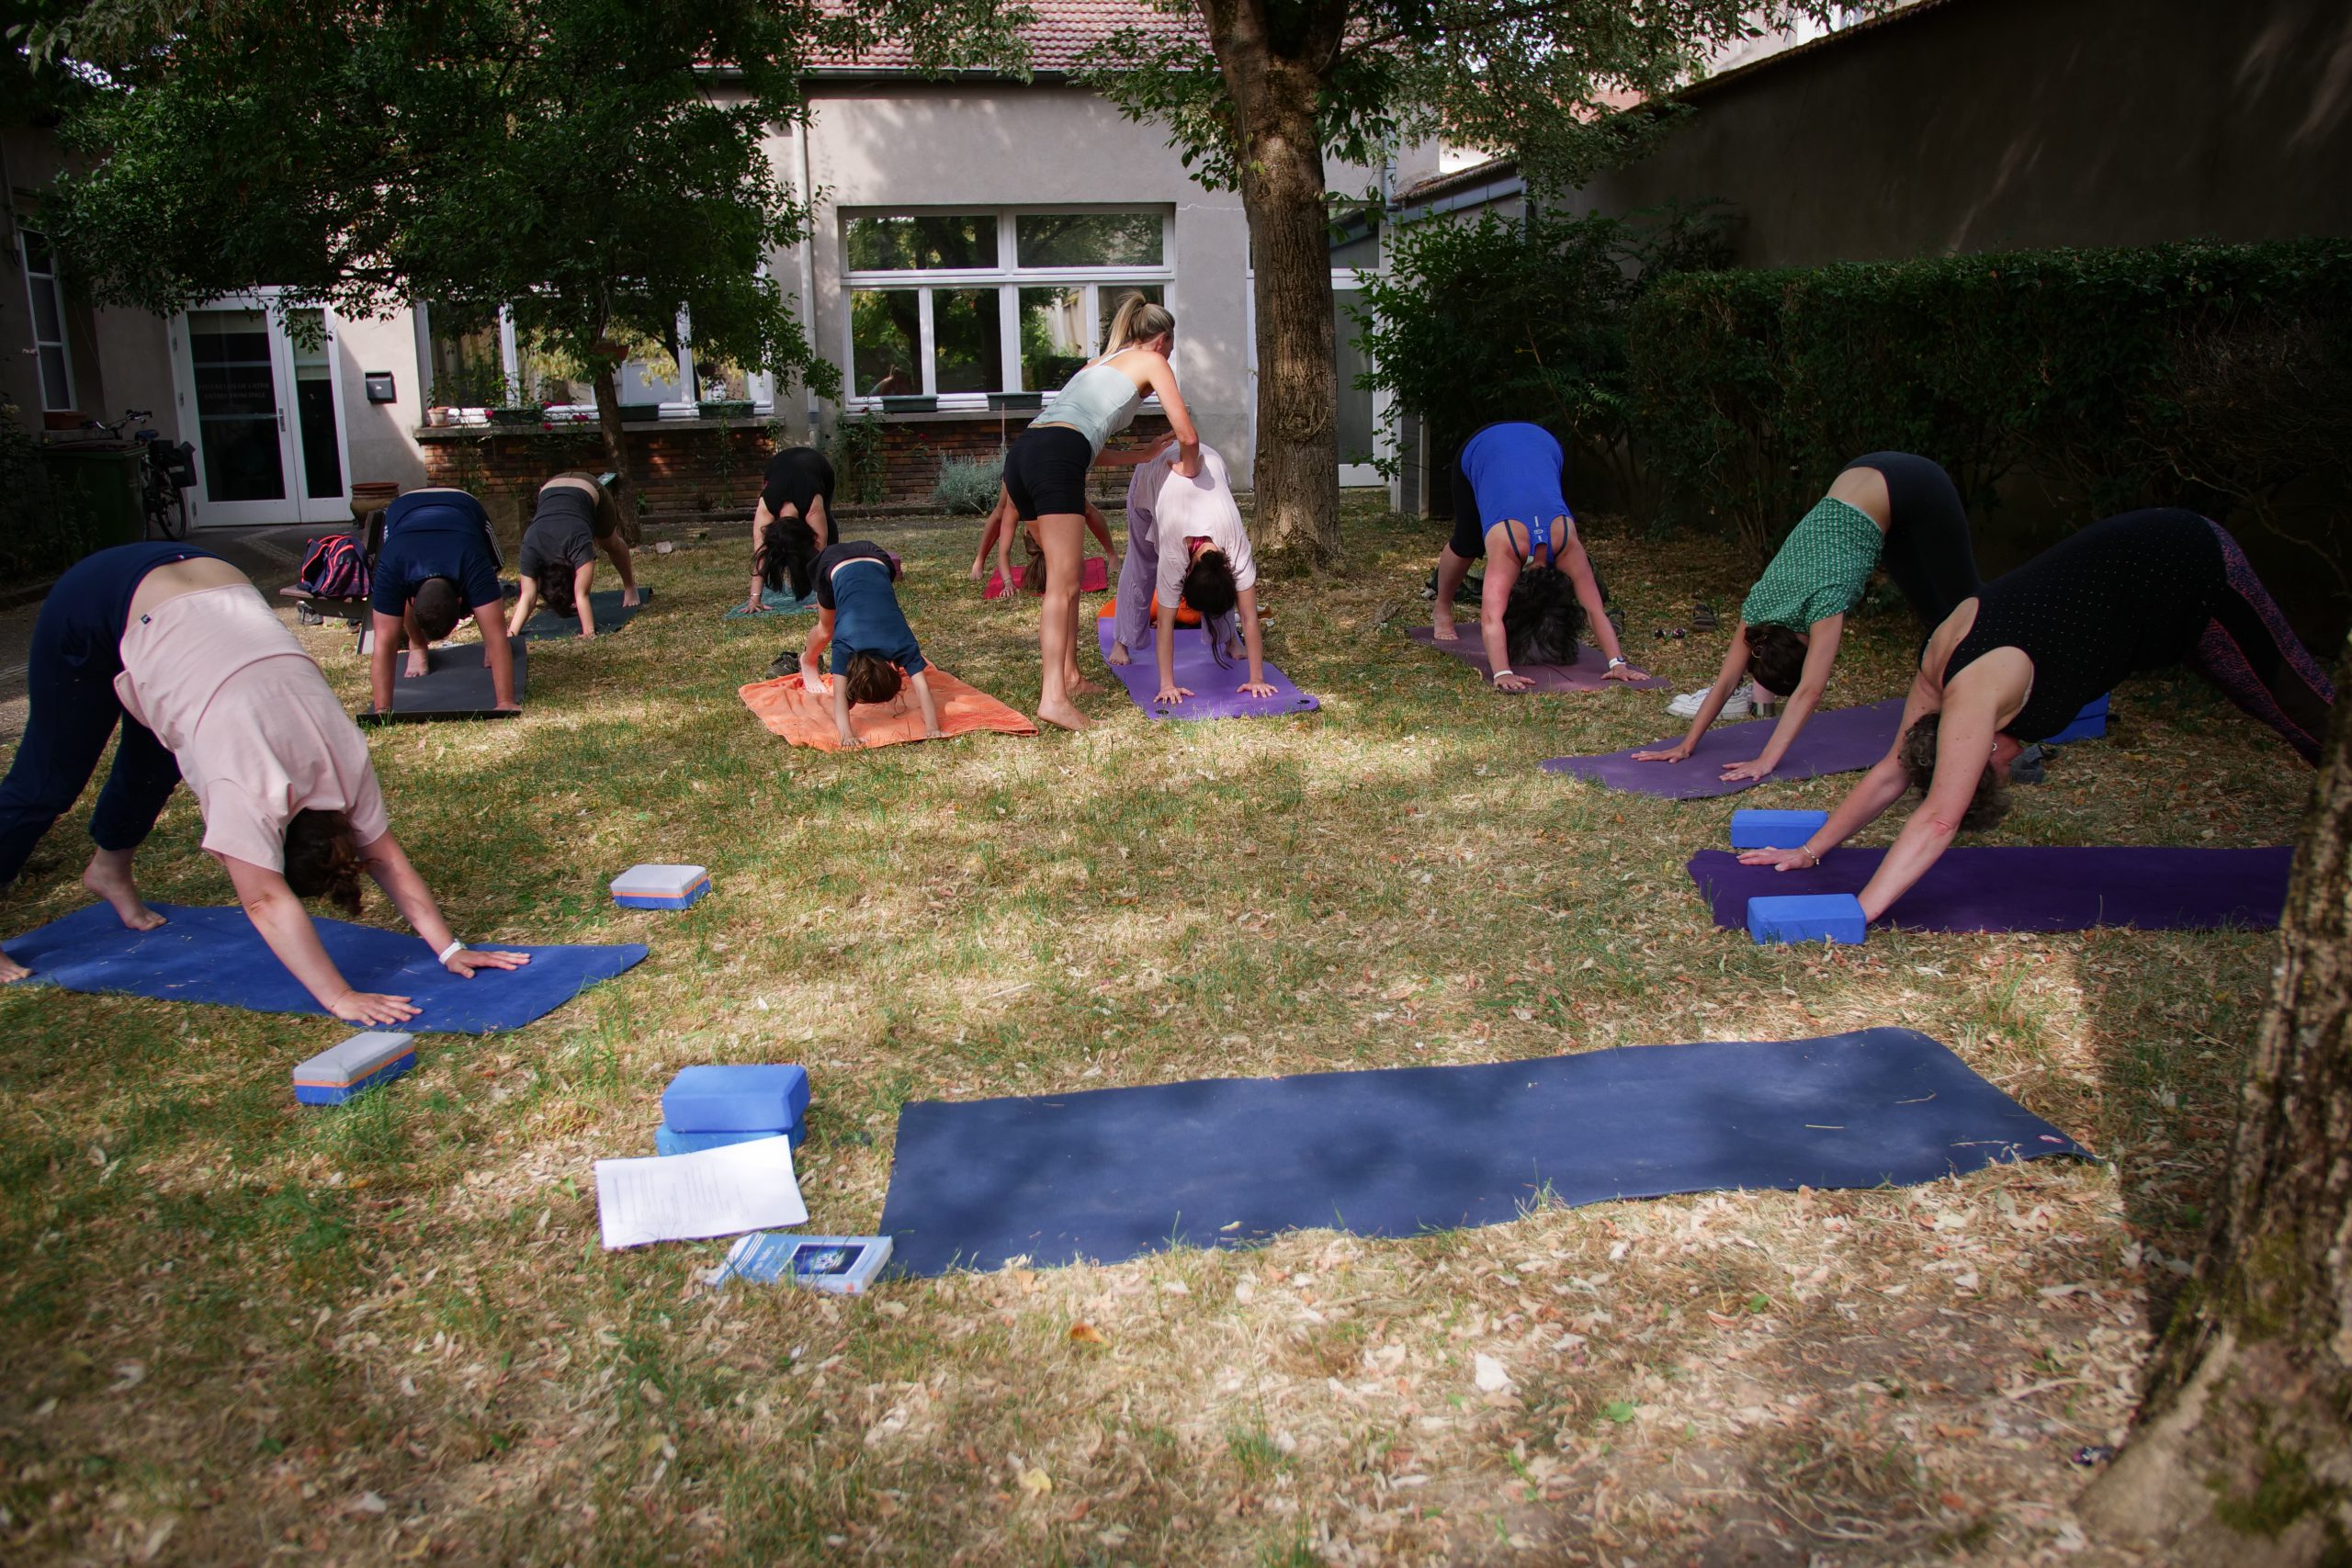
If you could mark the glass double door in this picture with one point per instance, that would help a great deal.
(260, 398)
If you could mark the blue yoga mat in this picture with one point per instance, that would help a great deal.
(774, 602)
(1111, 1174)
(215, 956)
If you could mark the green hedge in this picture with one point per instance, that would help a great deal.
(2200, 374)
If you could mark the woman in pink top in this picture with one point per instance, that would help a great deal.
(208, 685)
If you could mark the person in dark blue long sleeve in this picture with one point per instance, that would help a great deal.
(439, 561)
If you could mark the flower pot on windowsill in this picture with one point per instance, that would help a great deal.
(725, 408)
(1001, 402)
(910, 405)
(516, 416)
(632, 413)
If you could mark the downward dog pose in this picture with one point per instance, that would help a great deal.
(1893, 504)
(1044, 475)
(874, 649)
(439, 561)
(793, 521)
(175, 646)
(1509, 494)
(575, 517)
(1185, 541)
(2014, 664)
(1003, 524)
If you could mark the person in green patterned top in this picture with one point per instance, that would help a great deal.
(1892, 504)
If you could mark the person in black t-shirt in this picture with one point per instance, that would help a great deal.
(575, 517)
(874, 649)
(793, 521)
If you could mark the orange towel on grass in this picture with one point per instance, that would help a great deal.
(807, 720)
(1185, 614)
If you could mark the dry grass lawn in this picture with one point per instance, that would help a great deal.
(232, 1329)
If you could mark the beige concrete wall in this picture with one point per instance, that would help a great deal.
(378, 435)
(2000, 124)
(965, 145)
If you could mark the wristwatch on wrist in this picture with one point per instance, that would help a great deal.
(1619, 662)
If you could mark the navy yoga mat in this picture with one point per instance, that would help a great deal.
(1215, 689)
(215, 956)
(455, 685)
(1114, 1173)
(1585, 675)
(1844, 740)
(611, 615)
(2030, 888)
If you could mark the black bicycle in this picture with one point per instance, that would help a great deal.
(166, 476)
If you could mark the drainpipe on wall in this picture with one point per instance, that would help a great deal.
(809, 265)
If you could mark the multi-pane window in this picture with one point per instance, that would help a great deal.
(480, 361)
(47, 309)
(958, 305)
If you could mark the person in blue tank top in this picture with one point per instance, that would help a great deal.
(1510, 508)
(874, 649)
(1044, 476)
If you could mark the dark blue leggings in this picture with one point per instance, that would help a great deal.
(76, 654)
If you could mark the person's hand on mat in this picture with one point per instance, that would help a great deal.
(1798, 859)
(1172, 693)
(1509, 682)
(1257, 688)
(367, 1008)
(1676, 753)
(1623, 673)
(1748, 772)
(417, 662)
(467, 959)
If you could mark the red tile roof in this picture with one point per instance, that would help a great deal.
(1059, 38)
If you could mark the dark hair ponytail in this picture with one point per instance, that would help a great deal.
(322, 859)
(1543, 621)
(555, 586)
(788, 553)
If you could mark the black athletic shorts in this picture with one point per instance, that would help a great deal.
(1045, 472)
(797, 476)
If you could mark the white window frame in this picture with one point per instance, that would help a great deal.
(1008, 277)
(761, 382)
(33, 282)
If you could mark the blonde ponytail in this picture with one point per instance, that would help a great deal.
(1137, 319)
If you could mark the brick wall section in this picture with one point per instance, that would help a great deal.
(696, 467)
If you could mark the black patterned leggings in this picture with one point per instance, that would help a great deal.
(2249, 651)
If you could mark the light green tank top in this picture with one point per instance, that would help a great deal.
(1097, 400)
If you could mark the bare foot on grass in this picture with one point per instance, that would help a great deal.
(108, 876)
(1065, 714)
(10, 970)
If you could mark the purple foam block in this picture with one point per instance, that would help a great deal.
(1215, 688)
(2031, 888)
(1806, 917)
(1845, 740)
(1583, 675)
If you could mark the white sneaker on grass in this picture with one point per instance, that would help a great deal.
(1687, 705)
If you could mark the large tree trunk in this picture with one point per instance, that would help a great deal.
(608, 423)
(2244, 1450)
(1273, 83)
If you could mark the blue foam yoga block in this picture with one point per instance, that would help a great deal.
(1774, 829)
(661, 886)
(358, 1064)
(2089, 724)
(1807, 917)
(735, 1098)
(667, 1140)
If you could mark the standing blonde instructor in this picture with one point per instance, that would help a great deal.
(1044, 475)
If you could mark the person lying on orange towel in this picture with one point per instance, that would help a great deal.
(874, 649)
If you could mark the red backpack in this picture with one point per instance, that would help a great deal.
(334, 568)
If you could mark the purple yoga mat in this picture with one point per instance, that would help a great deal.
(1214, 690)
(1844, 740)
(2030, 888)
(1583, 675)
